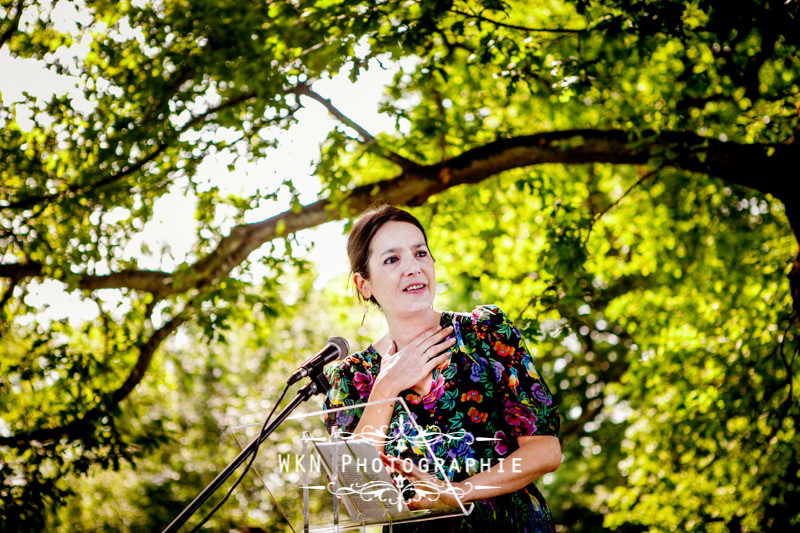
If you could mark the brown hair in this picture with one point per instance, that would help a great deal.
(365, 228)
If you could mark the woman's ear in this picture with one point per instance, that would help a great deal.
(363, 285)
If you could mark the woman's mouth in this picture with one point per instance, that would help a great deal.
(415, 287)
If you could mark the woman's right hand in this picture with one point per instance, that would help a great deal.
(401, 370)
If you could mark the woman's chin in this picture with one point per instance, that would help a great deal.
(419, 306)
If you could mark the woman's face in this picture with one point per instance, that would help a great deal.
(401, 273)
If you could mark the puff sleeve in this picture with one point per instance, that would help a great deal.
(527, 403)
(351, 383)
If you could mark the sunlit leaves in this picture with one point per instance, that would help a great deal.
(655, 300)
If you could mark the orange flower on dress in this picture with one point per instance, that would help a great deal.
(503, 350)
(415, 398)
(472, 395)
(477, 416)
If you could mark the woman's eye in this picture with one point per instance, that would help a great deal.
(422, 253)
(390, 260)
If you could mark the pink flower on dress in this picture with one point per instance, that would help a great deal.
(363, 383)
(501, 444)
(520, 418)
(437, 389)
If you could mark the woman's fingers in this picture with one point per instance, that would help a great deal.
(395, 465)
(440, 349)
(445, 341)
(407, 367)
(439, 335)
(430, 334)
(405, 467)
(436, 360)
(437, 339)
(388, 461)
(431, 492)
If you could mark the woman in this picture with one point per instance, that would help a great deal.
(467, 378)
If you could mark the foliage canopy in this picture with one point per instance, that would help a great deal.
(616, 174)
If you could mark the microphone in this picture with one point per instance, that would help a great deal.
(335, 349)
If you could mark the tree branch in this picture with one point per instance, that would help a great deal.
(146, 356)
(646, 176)
(151, 281)
(793, 214)
(406, 164)
(20, 270)
(13, 23)
(515, 26)
(12, 284)
(79, 426)
(757, 166)
(78, 190)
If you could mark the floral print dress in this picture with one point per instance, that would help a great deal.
(488, 393)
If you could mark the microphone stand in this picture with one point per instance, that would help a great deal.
(318, 385)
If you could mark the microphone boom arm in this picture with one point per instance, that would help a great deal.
(319, 385)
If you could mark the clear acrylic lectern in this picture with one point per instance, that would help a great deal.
(329, 483)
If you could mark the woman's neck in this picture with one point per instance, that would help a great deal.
(403, 330)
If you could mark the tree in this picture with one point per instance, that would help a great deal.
(635, 152)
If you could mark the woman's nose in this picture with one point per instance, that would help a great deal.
(412, 267)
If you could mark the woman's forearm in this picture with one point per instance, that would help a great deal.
(536, 456)
(374, 422)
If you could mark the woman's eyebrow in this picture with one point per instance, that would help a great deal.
(394, 250)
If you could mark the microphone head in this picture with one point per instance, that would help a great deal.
(342, 346)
